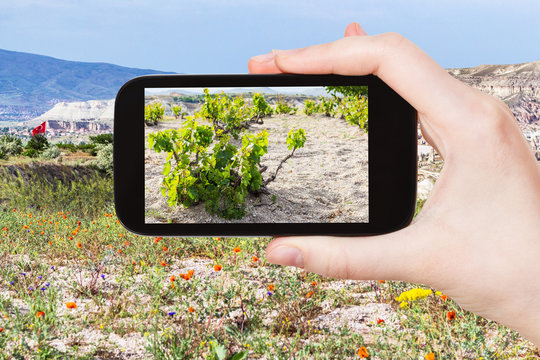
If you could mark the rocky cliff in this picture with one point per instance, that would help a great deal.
(517, 85)
(93, 115)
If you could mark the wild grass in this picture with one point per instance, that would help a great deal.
(193, 298)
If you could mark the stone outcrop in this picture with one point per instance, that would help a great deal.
(517, 85)
(93, 115)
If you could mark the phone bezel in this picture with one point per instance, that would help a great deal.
(392, 157)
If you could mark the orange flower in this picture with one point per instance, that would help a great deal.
(313, 283)
(185, 276)
(271, 287)
(164, 248)
(119, 251)
(126, 243)
(74, 232)
(191, 309)
(157, 239)
(79, 245)
(309, 294)
(133, 263)
(237, 249)
(40, 314)
(50, 243)
(380, 321)
(217, 267)
(70, 237)
(430, 356)
(71, 305)
(255, 259)
(381, 281)
(64, 217)
(2, 329)
(451, 315)
(362, 352)
(173, 278)
(163, 263)
(4, 229)
(43, 233)
(444, 297)
(191, 272)
(120, 235)
(107, 226)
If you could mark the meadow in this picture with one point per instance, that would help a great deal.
(74, 284)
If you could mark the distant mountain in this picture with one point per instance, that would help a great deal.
(31, 84)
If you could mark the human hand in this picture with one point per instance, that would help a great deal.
(477, 237)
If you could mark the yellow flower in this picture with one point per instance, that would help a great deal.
(438, 293)
(403, 304)
(414, 294)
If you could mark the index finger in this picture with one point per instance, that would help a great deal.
(397, 61)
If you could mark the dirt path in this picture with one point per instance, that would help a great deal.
(325, 181)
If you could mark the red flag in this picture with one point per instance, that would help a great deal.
(40, 129)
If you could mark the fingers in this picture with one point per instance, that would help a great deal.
(389, 257)
(354, 29)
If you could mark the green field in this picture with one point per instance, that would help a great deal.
(74, 284)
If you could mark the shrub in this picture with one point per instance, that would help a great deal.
(310, 107)
(102, 139)
(10, 145)
(282, 107)
(50, 153)
(31, 153)
(153, 113)
(355, 111)
(228, 115)
(260, 108)
(326, 106)
(38, 143)
(104, 161)
(177, 110)
(354, 91)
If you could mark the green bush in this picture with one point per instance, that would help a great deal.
(104, 161)
(355, 111)
(310, 107)
(153, 113)
(260, 108)
(282, 107)
(228, 115)
(50, 153)
(102, 139)
(67, 146)
(31, 153)
(177, 110)
(38, 143)
(10, 145)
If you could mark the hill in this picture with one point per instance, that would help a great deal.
(31, 84)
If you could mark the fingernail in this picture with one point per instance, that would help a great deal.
(286, 255)
(358, 28)
(265, 57)
(286, 52)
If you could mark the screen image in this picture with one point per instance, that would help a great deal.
(256, 155)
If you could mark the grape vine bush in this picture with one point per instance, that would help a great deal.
(203, 163)
(153, 113)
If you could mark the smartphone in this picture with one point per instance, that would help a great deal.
(263, 155)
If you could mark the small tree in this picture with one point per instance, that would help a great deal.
(282, 107)
(153, 113)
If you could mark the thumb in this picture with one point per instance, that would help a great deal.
(390, 257)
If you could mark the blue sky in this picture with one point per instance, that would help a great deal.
(219, 36)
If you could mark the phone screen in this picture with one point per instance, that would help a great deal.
(256, 155)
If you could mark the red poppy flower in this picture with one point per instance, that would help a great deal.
(40, 314)
(217, 267)
(362, 352)
(451, 315)
(237, 249)
(380, 321)
(71, 305)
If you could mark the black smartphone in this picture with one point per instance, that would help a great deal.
(263, 155)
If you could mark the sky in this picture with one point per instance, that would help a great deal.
(219, 36)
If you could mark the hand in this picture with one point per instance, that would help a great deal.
(477, 237)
